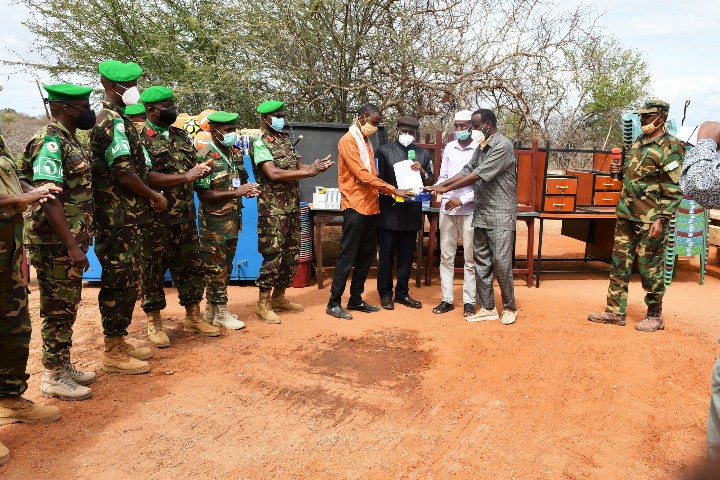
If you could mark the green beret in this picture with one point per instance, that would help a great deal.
(67, 91)
(157, 94)
(116, 71)
(654, 106)
(270, 106)
(222, 117)
(136, 109)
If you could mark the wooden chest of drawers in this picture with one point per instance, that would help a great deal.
(560, 193)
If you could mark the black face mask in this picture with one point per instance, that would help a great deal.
(168, 116)
(86, 120)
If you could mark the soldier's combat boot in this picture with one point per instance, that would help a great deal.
(223, 318)
(4, 454)
(194, 322)
(209, 313)
(57, 383)
(18, 409)
(264, 310)
(78, 376)
(139, 353)
(156, 332)
(115, 360)
(653, 321)
(607, 317)
(279, 302)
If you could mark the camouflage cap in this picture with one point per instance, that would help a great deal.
(157, 94)
(654, 106)
(67, 91)
(135, 109)
(117, 71)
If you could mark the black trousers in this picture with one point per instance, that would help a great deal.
(357, 250)
(394, 244)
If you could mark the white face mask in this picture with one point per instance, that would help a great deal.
(405, 139)
(478, 136)
(131, 96)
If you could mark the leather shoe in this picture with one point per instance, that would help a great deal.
(407, 301)
(444, 307)
(338, 312)
(364, 307)
(387, 303)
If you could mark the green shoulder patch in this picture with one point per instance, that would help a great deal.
(148, 160)
(48, 163)
(120, 146)
(202, 183)
(261, 154)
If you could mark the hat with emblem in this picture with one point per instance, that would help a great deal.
(270, 106)
(135, 109)
(67, 91)
(117, 71)
(654, 106)
(408, 121)
(157, 94)
(222, 117)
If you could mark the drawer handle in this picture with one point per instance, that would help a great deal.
(558, 205)
(562, 187)
(608, 199)
(608, 184)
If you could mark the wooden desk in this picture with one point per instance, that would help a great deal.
(593, 225)
(322, 218)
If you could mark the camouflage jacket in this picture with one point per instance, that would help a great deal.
(55, 155)
(651, 176)
(9, 182)
(171, 151)
(276, 198)
(117, 149)
(220, 220)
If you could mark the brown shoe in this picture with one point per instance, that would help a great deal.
(650, 324)
(18, 409)
(4, 454)
(607, 317)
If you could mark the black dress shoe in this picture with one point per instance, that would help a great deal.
(444, 307)
(387, 303)
(338, 312)
(364, 307)
(407, 301)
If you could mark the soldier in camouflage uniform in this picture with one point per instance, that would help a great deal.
(220, 214)
(650, 195)
(277, 168)
(59, 233)
(122, 207)
(170, 240)
(14, 316)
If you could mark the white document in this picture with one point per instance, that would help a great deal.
(406, 177)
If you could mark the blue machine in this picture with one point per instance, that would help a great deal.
(246, 265)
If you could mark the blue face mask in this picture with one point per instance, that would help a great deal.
(229, 139)
(278, 123)
(462, 135)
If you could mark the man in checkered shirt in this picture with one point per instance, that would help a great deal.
(493, 170)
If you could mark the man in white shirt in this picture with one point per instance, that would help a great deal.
(456, 215)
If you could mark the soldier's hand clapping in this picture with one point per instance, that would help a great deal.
(247, 190)
(320, 165)
(201, 170)
(39, 194)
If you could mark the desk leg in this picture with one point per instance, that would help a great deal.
(539, 269)
(431, 248)
(418, 257)
(317, 227)
(530, 222)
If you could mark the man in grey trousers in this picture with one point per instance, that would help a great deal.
(493, 171)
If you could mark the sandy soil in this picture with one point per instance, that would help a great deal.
(402, 394)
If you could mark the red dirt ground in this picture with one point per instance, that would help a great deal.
(402, 394)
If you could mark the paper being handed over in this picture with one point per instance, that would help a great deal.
(407, 178)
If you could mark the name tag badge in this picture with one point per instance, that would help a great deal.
(671, 166)
(236, 182)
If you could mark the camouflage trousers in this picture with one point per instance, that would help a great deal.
(279, 244)
(14, 316)
(217, 257)
(118, 250)
(175, 247)
(60, 289)
(631, 238)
